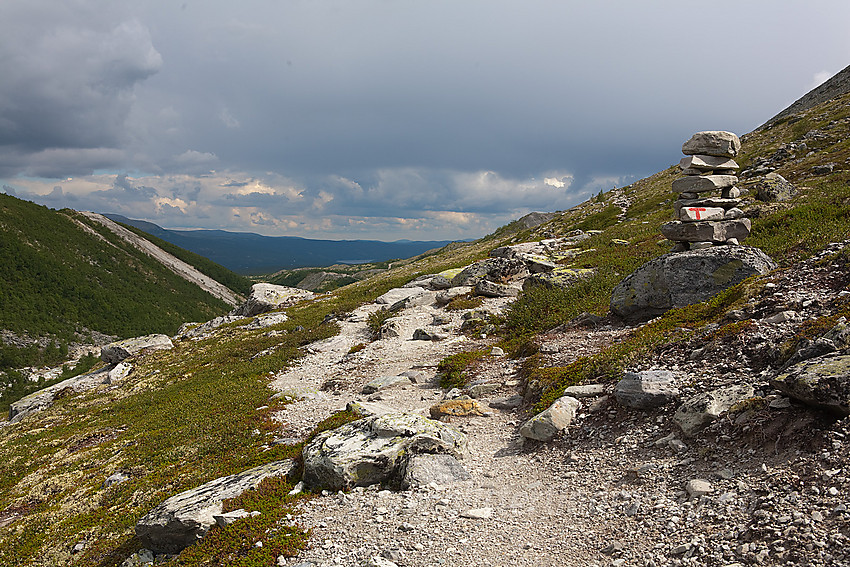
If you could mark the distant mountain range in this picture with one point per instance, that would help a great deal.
(249, 253)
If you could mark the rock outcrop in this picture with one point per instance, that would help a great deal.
(185, 518)
(113, 353)
(268, 297)
(821, 382)
(375, 450)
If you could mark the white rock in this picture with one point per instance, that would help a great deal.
(545, 425)
(477, 513)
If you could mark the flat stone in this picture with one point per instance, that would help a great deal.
(457, 408)
(185, 518)
(113, 353)
(477, 513)
(696, 213)
(698, 487)
(507, 404)
(561, 277)
(703, 183)
(707, 163)
(481, 390)
(707, 231)
(393, 296)
(447, 295)
(487, 288)
(585, 390)
(702, 409)
(383, 383)
(548, 423)
(493, 269)
(648, 389)
(712, 143)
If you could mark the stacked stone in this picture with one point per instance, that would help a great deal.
(704, 219)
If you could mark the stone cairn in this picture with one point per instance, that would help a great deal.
(702, 219)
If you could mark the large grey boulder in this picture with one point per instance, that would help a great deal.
(44, 398)
(487, 288)
(702, 409)
(375, 450)
(395, 295)
(683, 278)
(267, 297)
(821, 382)
(185, 518)
(113, 353)
(645, 390)
(561, 277)
(554, 419)
(712, 143)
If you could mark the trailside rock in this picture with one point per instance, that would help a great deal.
(383, 383)
(113, 353)
(699, 411)
(648, 389)
(561, 277)
(548, 423)
(683, 278)
(185, 518)
(372, 450)
(422, 470)
(487, 288)
(267, 297)
(493, 269)
(821, 382)
(712, 143)
(457, 408)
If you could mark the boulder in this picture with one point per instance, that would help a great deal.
(560, 277)
(703, 183)
(493, 269)
(374, 450)
(820, 382)
(185, 518)
(712, 143)
(487, 288)
(706, 231)
(195, 331)
(446, 296)
(422, 470)
(268, 297)
(683, 278)
(702, 409)
(645, 390)
(113, 353)
(393, 296)
(773, 187)
(548, 423)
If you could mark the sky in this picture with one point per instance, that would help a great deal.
(382, 119)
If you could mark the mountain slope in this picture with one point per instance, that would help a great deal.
(250, 253)
(610, 491)
(64, 274)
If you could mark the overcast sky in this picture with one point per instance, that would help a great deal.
(382, 119)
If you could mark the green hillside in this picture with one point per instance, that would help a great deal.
(63, 276)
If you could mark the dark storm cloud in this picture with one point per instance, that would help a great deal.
(302, 114)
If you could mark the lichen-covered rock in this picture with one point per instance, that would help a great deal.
(487, 288)
(821, 382)
(113, 353)
(185, 518)
(648, 389)
(494, 269)
(702, 409)
(683, 278)
(773, 187)
(373, 450)
(457, 408)
(548, 423)
(267, 297)
(560, 277)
